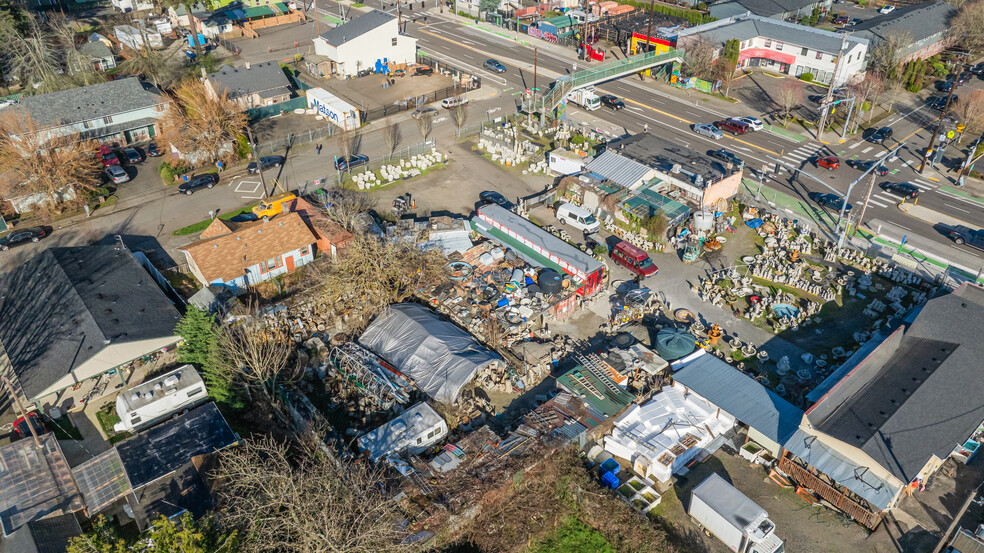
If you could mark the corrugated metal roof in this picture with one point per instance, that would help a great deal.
(741, 396)
(618, 169)
(604, 401)
(859, 479)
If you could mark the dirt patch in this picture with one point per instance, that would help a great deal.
(368, 92)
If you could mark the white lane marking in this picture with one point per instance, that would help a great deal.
(903, 226)
(875, 201)
(855, 145)
(957, 208)
(922, 186)
(868, 149)
(893, 159)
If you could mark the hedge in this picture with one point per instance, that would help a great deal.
(808, 77)
(693, 17)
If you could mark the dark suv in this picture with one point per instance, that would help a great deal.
(199, 181)
(733, 127)
(266, 162)
(728, 157)
(964, 235)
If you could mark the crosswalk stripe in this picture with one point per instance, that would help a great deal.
(881, 154)
(875, 201)
(922, 186)
(855, 145)
(893, 159)
(868, 149)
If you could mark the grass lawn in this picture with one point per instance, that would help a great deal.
(107, 417)
(202, 225)
(573, 536)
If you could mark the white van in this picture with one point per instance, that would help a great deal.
(449, 103)
(577, 217)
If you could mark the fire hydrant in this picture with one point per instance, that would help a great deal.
(714, 334)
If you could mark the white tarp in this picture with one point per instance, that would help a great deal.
(439, 357)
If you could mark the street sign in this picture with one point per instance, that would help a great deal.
(950, 134)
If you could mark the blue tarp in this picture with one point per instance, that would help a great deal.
(754, 223)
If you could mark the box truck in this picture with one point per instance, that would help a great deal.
(726, 513)
(158, 398)
(586, 98)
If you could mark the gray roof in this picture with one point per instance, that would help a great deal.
(266, 79)
(96, 50)
(35, 483)
(91, 102)
(618, 169)
(356, 27)
(735, 507)
(744, 27)
(922, 21)
(661, 154)
(768, 8)
(918, 394)
(966, 542)
(741, 396)
(48, 535)
(66, 305)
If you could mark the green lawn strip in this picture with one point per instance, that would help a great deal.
(202, 225)
(107, 417)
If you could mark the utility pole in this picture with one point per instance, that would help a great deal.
(259, 166)
(534, 72)
(317, 19)
(939, 125)
(830, 89)
(864, 206)
(23, 412)
(649, 28)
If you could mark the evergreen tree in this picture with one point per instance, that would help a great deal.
(200, 334)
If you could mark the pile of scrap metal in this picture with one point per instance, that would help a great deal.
(375, 379)
(496, 295)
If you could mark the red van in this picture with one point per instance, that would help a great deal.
(733, 127)
(634, 259)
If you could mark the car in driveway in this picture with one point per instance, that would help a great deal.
(266, 163)
(489, 197)
(880, 170)
(612, 101)
(353, 161)
(728, 157)
(708, 131)
(842, 20)
(132, 156)
(117, 174)
(423, 112)
(208, 180)
(904, 189)
(754, 123)
(734, 127)
(20, 237)
(965, 235)
(153, 150)
(886, 9)
(944, 86)
(107, 156)
(832, 201)
(977, 69)
(880, 136)
(829, 163)
(494, 65)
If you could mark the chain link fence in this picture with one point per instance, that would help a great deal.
(278, 146)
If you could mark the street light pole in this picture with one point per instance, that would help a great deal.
(259, 166)
(830, 89)
(939, 126)
(864, 206)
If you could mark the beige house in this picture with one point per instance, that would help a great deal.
(250, 86)
(72, 319)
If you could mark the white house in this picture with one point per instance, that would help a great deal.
(414, 430)
(127, 6)
(368, 42)
(239, 255)
(133, 36)
(784, 47)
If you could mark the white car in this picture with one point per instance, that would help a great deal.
(753, 123)
(708, 130)
(886, 9)
(117, 174)
(449, 103)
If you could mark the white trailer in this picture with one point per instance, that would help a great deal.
(586, 98)
(719, 508)
(333, 108)
(154, 400)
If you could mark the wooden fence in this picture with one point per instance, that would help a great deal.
(838, 499)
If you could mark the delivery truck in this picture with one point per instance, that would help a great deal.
(586, 98)
(727, 514)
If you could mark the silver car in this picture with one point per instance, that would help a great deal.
(117, 174)
(709, 131)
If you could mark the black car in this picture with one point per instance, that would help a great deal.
(964, 235)
(944, 86)
(963, 77)
(353, 161)
(199, 181)
(881, 170)
(245, 218)
(881, 135)
(978, 69)
(22, 236)
(612, 101)
(857, 21)
(495, 65)
(267, 163)
(493, 197)
(728, 157)
(132, 156)
(153, 151)
(817, 98)
(938, 103)
(833, 201)
(903, 189)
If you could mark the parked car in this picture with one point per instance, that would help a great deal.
(22, 236)
(881, 170)
(708, 130)
(117, 174)
(842, 20)
(493, 197)
(886, 9)
(939, 102)
(153, 151)
(832, 201)
(353, 161)
(817, 99)
(978, 69)
(728, 157)
(424, 70)
(881, 135)
(449, 103)
(132, 156)
(494, 65)
(964, 235)
(23, 425)
(944, 86)
(734, 127)
(829, 163)
(754, 123)
(963, 77)
(857, 21)
(207, 180)
(577, 217)
(634, 259)
(423, 112)
(107, 157)
(266, 163)
(612, 101)
(903, 189)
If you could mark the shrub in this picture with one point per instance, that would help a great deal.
(702, 6)
(242, 147)
(862, 3)
(866, 106)
(169, 171)
(600, 250)
(939, 69)
(806, 77)
(913, 87)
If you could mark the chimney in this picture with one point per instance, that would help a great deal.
(247, 66)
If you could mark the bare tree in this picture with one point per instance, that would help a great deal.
(866, 91)
(294, 501)
(59, 169)
(33, 57)
(968, 24)
(886, 56)
(152, 63)
(788, 97)
(201, 126)
(78, 63)
(391, 135)
(342, 206)
(459, 114)
(894, 91)
(700, 57)
(971, 112)
(256, 353)
(424, 125)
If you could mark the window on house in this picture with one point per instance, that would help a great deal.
(778, 46)
(107, 120)
(394, 41)
(768, 43)
(134, 420)
(271, 264)
(805, 51)
(87, 124)
(304, 250)
(819, 56)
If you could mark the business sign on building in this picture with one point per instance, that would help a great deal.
(333, 108)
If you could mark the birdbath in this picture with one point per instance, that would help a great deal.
(783, 366)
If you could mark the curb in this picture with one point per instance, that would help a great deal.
(788, 134)
(957, 192)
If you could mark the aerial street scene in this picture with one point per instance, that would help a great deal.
(491, 276)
